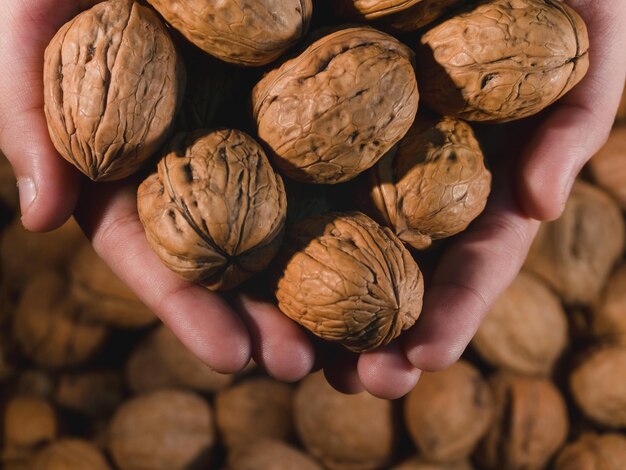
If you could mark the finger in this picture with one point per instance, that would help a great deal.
(340, 370)
(202, 320)
(387, 373)
(580, 122)
(48, 186)
(280, 346)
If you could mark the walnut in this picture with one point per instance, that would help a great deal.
(254, 409)
(166, 429)
(28, 422)
(112, 84)
(530, 423)
(598, 385)
(593, 452)
(243, 32)
(51, 328)
(70, 454)
(607, 167)
(344, 432)
(433, 184)
(105, 297)
(526, 330)
(348, 280)
(336, 109)
(448, 412)
(270, 454)
(215, 212)
(418, 463)
(608, 320)
(502, 60)
(95, 394)
(35, 383)
(576, 253)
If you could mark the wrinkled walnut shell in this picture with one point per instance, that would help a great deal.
(502, 60)
(94, 394)
(112, 84)
(28, 422)
(348, 280)
(433, 184)
(243, 32)
(216, 210)
(608, 321)
(337, 108)
(593, 452)
(70, 454)
(608, 166)
(418, 463)
(268, 454)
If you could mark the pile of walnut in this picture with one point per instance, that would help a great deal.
(362, 105)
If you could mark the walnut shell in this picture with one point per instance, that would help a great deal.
(530, 424)
(336, 109)
(526, 330)
(576, 253)
(433, 184)
(112, 84)
(270, 454)
(216, 210)
(167, 429)
(70, 454)
(418, 463)
(593, 452)
(502, 60)
(608, 321)
(350, 281)
(607, 167)
(448, 412)
(254, 409)
(28, 422)
(343, 432)
(372, 9)
(598, 385)
(94, 394)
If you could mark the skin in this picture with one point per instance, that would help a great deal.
(529, 185)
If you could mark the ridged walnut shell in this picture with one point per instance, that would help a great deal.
(337, 108)
(216, 210)
(270, 454)
(608, 321)
(503, 60)
(433, 184)
(70, 454)
(608, 166)
(243, 32)
(349, 280)
(593, 452)
(113, 82)
(419, 463)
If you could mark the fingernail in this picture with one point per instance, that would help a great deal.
(28, 193)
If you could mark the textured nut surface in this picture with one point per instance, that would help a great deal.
(93, 393)
(418, 463)
(349, 280)
(270, 454)
(433, 184)
(167, 429)
(530, 423)
(244, 32)
(503, 60)
(598, 385)
(338, 107)
(609, 317)
(70, 454)
(28, 422)
(593, 452)
(576, 253)
(608, 166)
(420, 14)
(343, 431)
(448, 412)
(112, 84)
(216, 210)
(526, 329)
(254, 409)
(370, 9)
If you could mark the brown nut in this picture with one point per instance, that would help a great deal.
(593, 452)
(598, 385)
(167, 429)
(343, 432)
(70, 454)
(576, 253)
(608, 167)
(216, 210)
(530, 424)
(243, 32)
(28, 422)
(526, 330)
(448, 412)
(502, 60)
(348, 280)
(336, 109)
(433, 184)
(608, 321)
(418, 463)
(270, 454)
(112, 84)
(95, 394)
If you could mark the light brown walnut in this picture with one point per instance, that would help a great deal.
(348, 280)
(336, 109)
(215, 212)
(113, 82)
(243, 32)
(270, 454)
(433, 184)
(608, 166)
(608, 320)
(526, 330)
(70, 454)
(593, 452)
(28, 422)
(502, 60)
(419, 463)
